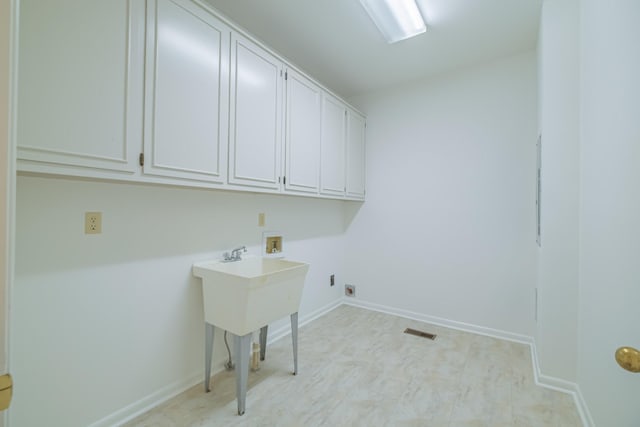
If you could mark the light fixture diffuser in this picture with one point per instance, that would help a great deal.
(396, 19)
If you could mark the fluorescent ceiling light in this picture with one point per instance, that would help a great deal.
(396, 19)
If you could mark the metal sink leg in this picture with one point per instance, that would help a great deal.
(294, 338)
(208, 353)
(242, 349)
(263, 341)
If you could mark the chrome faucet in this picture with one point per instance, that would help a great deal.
(236, 254)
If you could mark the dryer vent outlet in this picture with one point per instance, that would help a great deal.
(350, 290)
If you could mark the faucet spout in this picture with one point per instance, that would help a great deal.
(236, 254)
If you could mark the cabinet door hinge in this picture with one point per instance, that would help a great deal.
(141, 159)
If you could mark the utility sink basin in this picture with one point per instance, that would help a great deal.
(243, 296)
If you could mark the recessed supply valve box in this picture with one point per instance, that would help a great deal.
(272, 244)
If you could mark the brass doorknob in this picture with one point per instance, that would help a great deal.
(628, 358)
(6, 390)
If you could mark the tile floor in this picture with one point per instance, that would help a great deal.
(358, 368)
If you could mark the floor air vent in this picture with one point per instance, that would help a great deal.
(420, 333)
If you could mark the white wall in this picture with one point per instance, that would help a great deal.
(557, 333)
(448, 229)
(102, 321)
(610, 207)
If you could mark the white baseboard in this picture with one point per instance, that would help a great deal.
(564, 386)
(143, 405)
(583, 409)
(146, 403)
(151, 401)
(451, 324)
(540, 379)
(275, 335)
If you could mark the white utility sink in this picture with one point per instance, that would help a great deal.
(243, 296)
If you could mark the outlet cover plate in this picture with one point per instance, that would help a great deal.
(92, 222)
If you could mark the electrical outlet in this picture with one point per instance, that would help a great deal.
(261, 219)
(332, 280)
(350, 290)
(92, 222)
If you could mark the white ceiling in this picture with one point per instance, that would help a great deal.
(337, 43)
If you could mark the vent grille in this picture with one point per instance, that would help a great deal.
(421, 334)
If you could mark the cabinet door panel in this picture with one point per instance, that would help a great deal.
(256, 116)
(302, 133)
(355, 155)
(80, 87)
(332, 172)
(187, 92)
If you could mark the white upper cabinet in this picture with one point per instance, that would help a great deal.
(355, 155)
(165, 91)
(80, 86)
(302, 135)
(332, 163)
(186, 92)
(255, 116)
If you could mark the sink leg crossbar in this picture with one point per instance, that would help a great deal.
(242, 345)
